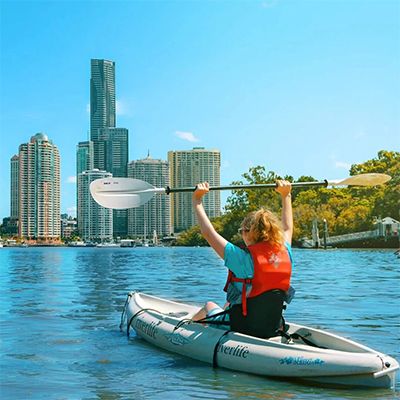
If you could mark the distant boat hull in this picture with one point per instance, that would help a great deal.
(77, 244)
(108, 245)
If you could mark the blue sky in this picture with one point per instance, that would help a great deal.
(301, 87)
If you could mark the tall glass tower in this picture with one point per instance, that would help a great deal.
(39, 189)
(84, 157)
(102, 101)
(110, 144)
(113, 157)
(113, 148)
(188, 168)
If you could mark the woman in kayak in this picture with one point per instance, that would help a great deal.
(259, 276)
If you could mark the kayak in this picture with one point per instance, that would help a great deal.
(305, 353)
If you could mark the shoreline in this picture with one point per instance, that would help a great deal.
(395, 248)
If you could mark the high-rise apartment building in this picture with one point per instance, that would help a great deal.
(154, 216)
(14, 200)
(102, 101)
(39, 189)
(95, 223)
(187, 168)
(84, 162)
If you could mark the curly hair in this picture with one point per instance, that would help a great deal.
(264, 226)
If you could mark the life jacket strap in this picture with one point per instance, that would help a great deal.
(245, 282)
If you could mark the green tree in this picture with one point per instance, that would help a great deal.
(386, 198)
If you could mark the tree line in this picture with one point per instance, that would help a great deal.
(346, 210)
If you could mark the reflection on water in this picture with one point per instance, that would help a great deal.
(60, 311)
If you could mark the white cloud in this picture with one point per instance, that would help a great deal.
(268, 3)
(339, 164)
(360, 134)
(71, 211)
(71, 179)
(187, 136)
(121, 107)
(342, 164)
(225, 164)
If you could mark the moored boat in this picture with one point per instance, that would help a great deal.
(77, 243)
(303, 353)
(107, 245)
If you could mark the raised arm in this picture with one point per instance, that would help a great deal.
(284, 188)
(214, 239)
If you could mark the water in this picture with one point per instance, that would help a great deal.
(60, 311)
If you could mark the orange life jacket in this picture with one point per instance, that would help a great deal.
(272, 270)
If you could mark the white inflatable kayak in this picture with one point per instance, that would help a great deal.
(309, 354)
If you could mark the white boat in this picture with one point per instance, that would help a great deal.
(127, 243)
(307, 353)
(77, 243)
(106, 244)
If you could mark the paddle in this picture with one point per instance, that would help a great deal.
(122, 193)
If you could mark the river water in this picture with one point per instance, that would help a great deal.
(60, 310)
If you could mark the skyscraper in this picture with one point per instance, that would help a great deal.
(154, 216)
(187, 168)
(84, 157)
(39, 189)
(95, 223)
(102, 101)
(113, 150)
(113, 157)
(110, 144)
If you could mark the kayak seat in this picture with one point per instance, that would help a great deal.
(264, 315)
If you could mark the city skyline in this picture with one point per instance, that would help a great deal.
(307, 88)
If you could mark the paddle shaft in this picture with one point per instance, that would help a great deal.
(169, 190)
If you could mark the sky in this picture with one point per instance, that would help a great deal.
(299, 87)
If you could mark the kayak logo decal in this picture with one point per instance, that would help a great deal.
(149, 329)
(177, 339)
(301, 361)
(235, 351)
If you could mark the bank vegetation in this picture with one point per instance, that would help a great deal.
(346, 210)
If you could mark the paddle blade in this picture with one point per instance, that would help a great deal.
(372, 179)
(121, 193)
